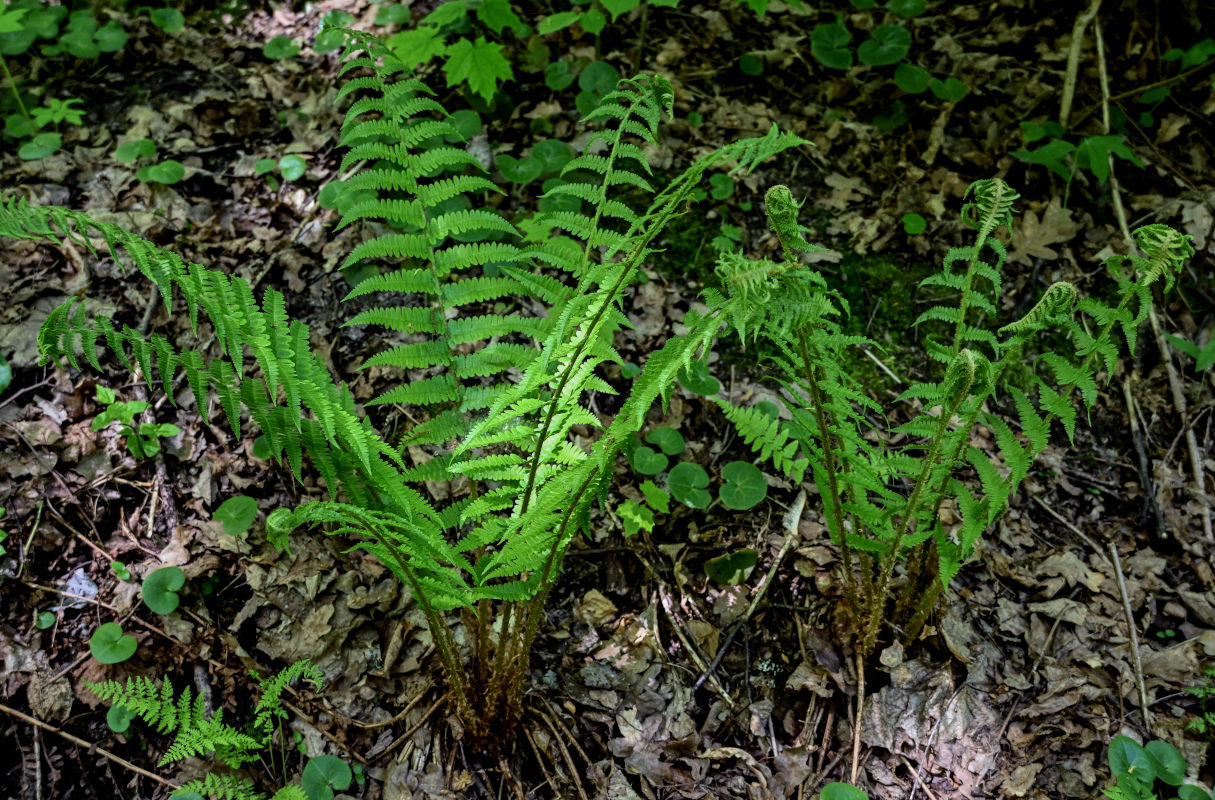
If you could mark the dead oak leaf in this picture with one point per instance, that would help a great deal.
(1035, 235)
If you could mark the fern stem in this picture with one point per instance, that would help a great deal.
(833, 489)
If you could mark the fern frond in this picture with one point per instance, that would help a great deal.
(220, 787)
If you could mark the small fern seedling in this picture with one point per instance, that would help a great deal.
(202, 734)
(883, 503)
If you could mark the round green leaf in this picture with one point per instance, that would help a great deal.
(160, 589)
(237, 514)
(911, 79)
(751, 64)
(519, 170)
(553, 154)
(6, 374)
(887, 45)
(168, 171)
(721, 185)
(44, 620)
(1170, 763)
(842, 791)
(120, 569)
(264, 165)
(110, 645)
(731, 568)
(687, 481)
(261, 447)
(593, 21)
(599, 77)
(330, 194)
(557, 75)
(914, 224)
(1192, 792)
(280, 47)
(292, 167)
(648, 461)
(1129, 759)
(119, 719)
(768, 408)
(169, 20)
(668, 440)
(951, 89)
(41, 146)
(744, 486)
(111, 38)
(697, 379)
(629, 370)
(18, 126)
(132, 151)
(467, 124)
(828, 44)
(907, 8)
(323, 774)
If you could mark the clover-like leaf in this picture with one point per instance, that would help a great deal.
(668, 440)
(120, 569)
(721, 186)
(41, 146)
(744, 486)
(828, 44)
(557, 75)
(280, 47)
(732, 568)
(119, 719)
(160, 589)
(687, 482)
(951, 90)
(323, 774)
(648, 461)
(109, 645)
(237, 514)
(886, 45)
(697, 379)
(169, 171)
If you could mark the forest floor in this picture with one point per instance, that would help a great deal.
(1015, 688)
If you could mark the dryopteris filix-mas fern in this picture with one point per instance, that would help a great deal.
(883, 502)
(199, 733)
(497, 395)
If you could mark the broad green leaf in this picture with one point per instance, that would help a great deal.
(44, 620)
(914, 224)
(828, 44)
(480, 64)
(1191, 792)
(751, 64)
(1129, 759)
(119, 719)
(169, 20)
(635, 517)
(237, 514)
(687, 482)
(109, 645)
(886, 45)
(732, 568)
(951, 90)
(111, 38)
(911, 79)
(721, 186)
(41, 146)
(618, 7)
(1170, 763)
(557, 75)
(498, 15)
(1093, 153)
(658, 498)
(1050, 155)
(467, 124)
(842, 791)
(292, 167)
(697, 379)
(648, 461)
(132, 151)
(553, 154)
(10, 20)
(393, 14)
(169, 171)
(519, 170)
(280, 47)
(599, 77)
(668, 440)
(555, 22)
(418, 46)
(160, 587)
(593, 21)
(907, 8)
(6, 374)
(323, 774)
(744, 486)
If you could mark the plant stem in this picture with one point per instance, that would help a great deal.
(12, 84)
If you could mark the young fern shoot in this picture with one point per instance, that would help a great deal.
(883, 502)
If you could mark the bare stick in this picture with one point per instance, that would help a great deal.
(1073, 60)
(1136, 662)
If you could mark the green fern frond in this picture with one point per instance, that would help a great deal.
(220, 787)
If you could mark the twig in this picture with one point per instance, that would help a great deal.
(1150, 504)
(1073, 60)
(1136, 662)
(791, 521)
(90, 746)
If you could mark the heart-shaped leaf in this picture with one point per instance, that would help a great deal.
(292, 167)
(828, 45)
(744, 486)
(1192, 792)
(911, 79)
(887, 45)
(41, 146)
(907, 8)
(648, 461)
(119, 719)
(132, 151)
(169, 20)
(668, 440)
(950, 90)
(553, 154)
(160, 589)
(519, 170)
(323, 774)
(1129, 759)
(842, 791)
(698, 380)
(1170, 763)
(687, 482)
(168, 171)
(467, 124)
(721, 186)
(44, 620)
(280, 47)
(732, 568)
(110, 645)
(237, 514)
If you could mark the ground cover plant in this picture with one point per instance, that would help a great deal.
(742, 567)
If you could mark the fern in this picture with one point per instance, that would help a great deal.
(883, 502)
